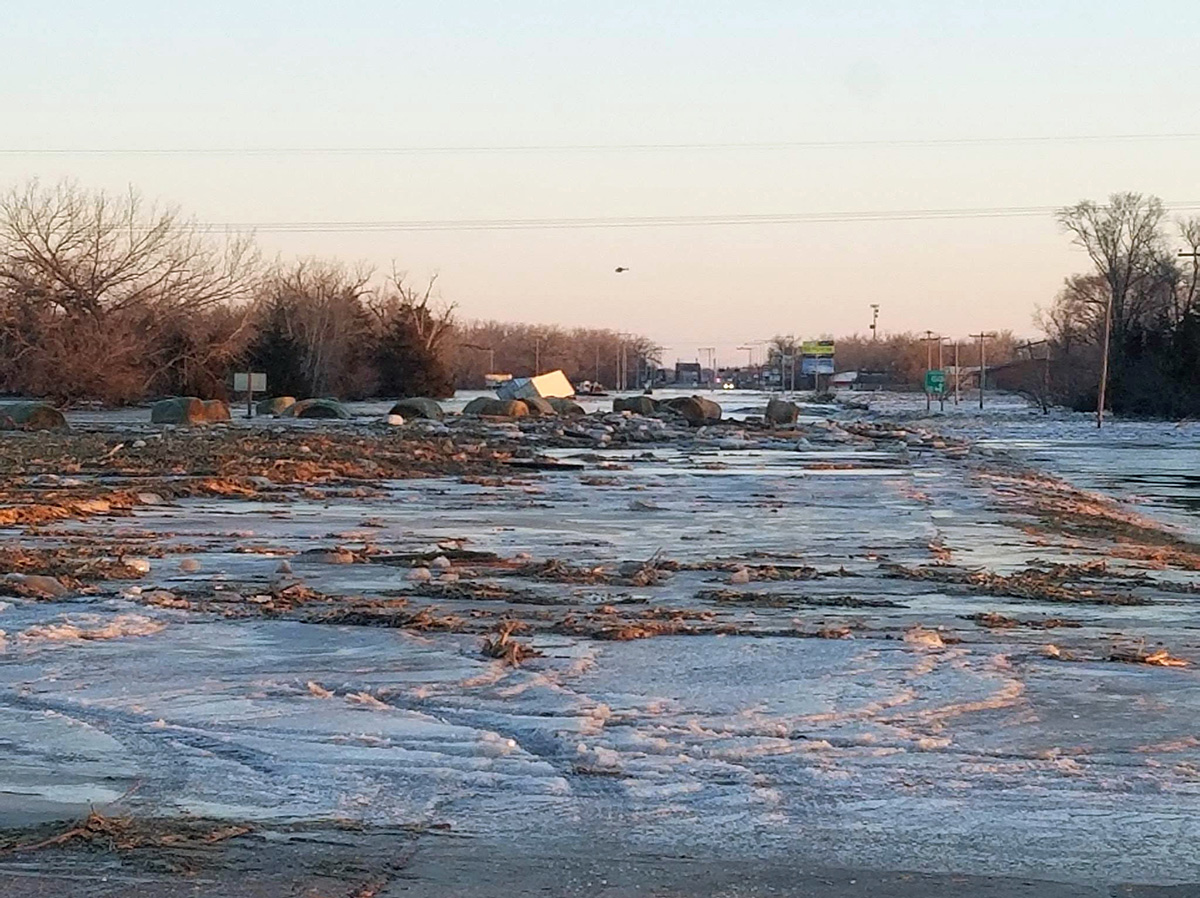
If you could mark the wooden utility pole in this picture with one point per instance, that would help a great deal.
(928, 366)
(1104, 362)
(942, 368)
(957, 371)
(982, 336)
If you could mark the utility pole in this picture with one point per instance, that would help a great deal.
(874, 321)
(1104, 362)
(957, 371)
(710, 353)
(982, 336)
(928, 365)
(749, 355)
(941, 367)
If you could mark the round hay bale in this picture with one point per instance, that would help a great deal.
(780, 411)
(275, 406)
(539, 407)
(638, 405)
(31, 416)
(419, 407)
(568, 408)
(496, 408)
(216, 410)
(179, 410)
(317, 408)
(696, 410)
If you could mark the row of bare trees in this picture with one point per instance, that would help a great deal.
(584, 354)
(902, 357)
(113, 298)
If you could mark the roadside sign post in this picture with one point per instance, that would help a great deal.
(250, 382)
(817, 359)
(935, 383)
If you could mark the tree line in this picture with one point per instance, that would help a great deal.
(902, 358)
(1140, 300)
(112, 298)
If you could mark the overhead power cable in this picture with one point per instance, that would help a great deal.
(650, 221)
(465, 149)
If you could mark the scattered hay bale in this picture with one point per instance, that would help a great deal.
(275, 406)
(317, 408)
(780, 411)
(568, 408)
(638, 405)
(539, 407)
(418, 407)
(496, 408)
(189, 410)
(696, 410)
(31, 416)
(179, 410)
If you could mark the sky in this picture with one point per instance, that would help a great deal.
(279, 113)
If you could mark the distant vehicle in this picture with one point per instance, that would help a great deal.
(728, 385)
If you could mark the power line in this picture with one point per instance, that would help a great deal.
(602, 147)
(654, 221)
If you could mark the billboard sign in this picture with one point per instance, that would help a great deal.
(817, 348)
(817, 365)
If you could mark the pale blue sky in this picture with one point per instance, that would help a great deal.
(143, 75)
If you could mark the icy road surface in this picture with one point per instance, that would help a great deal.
(918, 740)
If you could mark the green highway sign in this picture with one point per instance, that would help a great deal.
(935, 381)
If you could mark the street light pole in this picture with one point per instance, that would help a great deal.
(874, 321)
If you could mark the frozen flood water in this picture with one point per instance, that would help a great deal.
(836, 707)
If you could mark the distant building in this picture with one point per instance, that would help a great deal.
(688, 374)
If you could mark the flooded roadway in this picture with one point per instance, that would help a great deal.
(836, 707)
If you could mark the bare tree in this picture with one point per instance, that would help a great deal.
(314, 329)
(105, 295)
(430, 321)
(90, 253)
